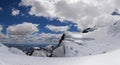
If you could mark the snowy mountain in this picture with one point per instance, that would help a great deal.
(98, 47)
(111, 58)
(99, 41)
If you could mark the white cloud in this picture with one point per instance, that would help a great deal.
(1, 28)
(39, 7)
(19, 33)
(82, 12)
(23, 34)
(47, 38)
(22, 29)
(15, 12)
(117, 3)
(43, 38)
(57, 28)
(3, 36)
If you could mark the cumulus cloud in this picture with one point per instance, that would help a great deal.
(20, 33)
(1, 28)
(22, 29)
(3, 36)
(57, 28)
(23, 33)
(85, 13)
(46, 38)
(39, 7)
(15, 12)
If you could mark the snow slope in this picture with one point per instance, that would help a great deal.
(111, 58)
(16, 51)
(3, 49)
(100, 41)
(100, 47)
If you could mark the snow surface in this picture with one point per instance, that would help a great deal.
(100, 41)
(16, 51)
(100, 47)
(111, 58)
(39, 53)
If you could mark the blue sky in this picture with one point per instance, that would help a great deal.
(33, 21)
(7, 19)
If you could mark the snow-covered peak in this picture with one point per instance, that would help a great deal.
(99, 41)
